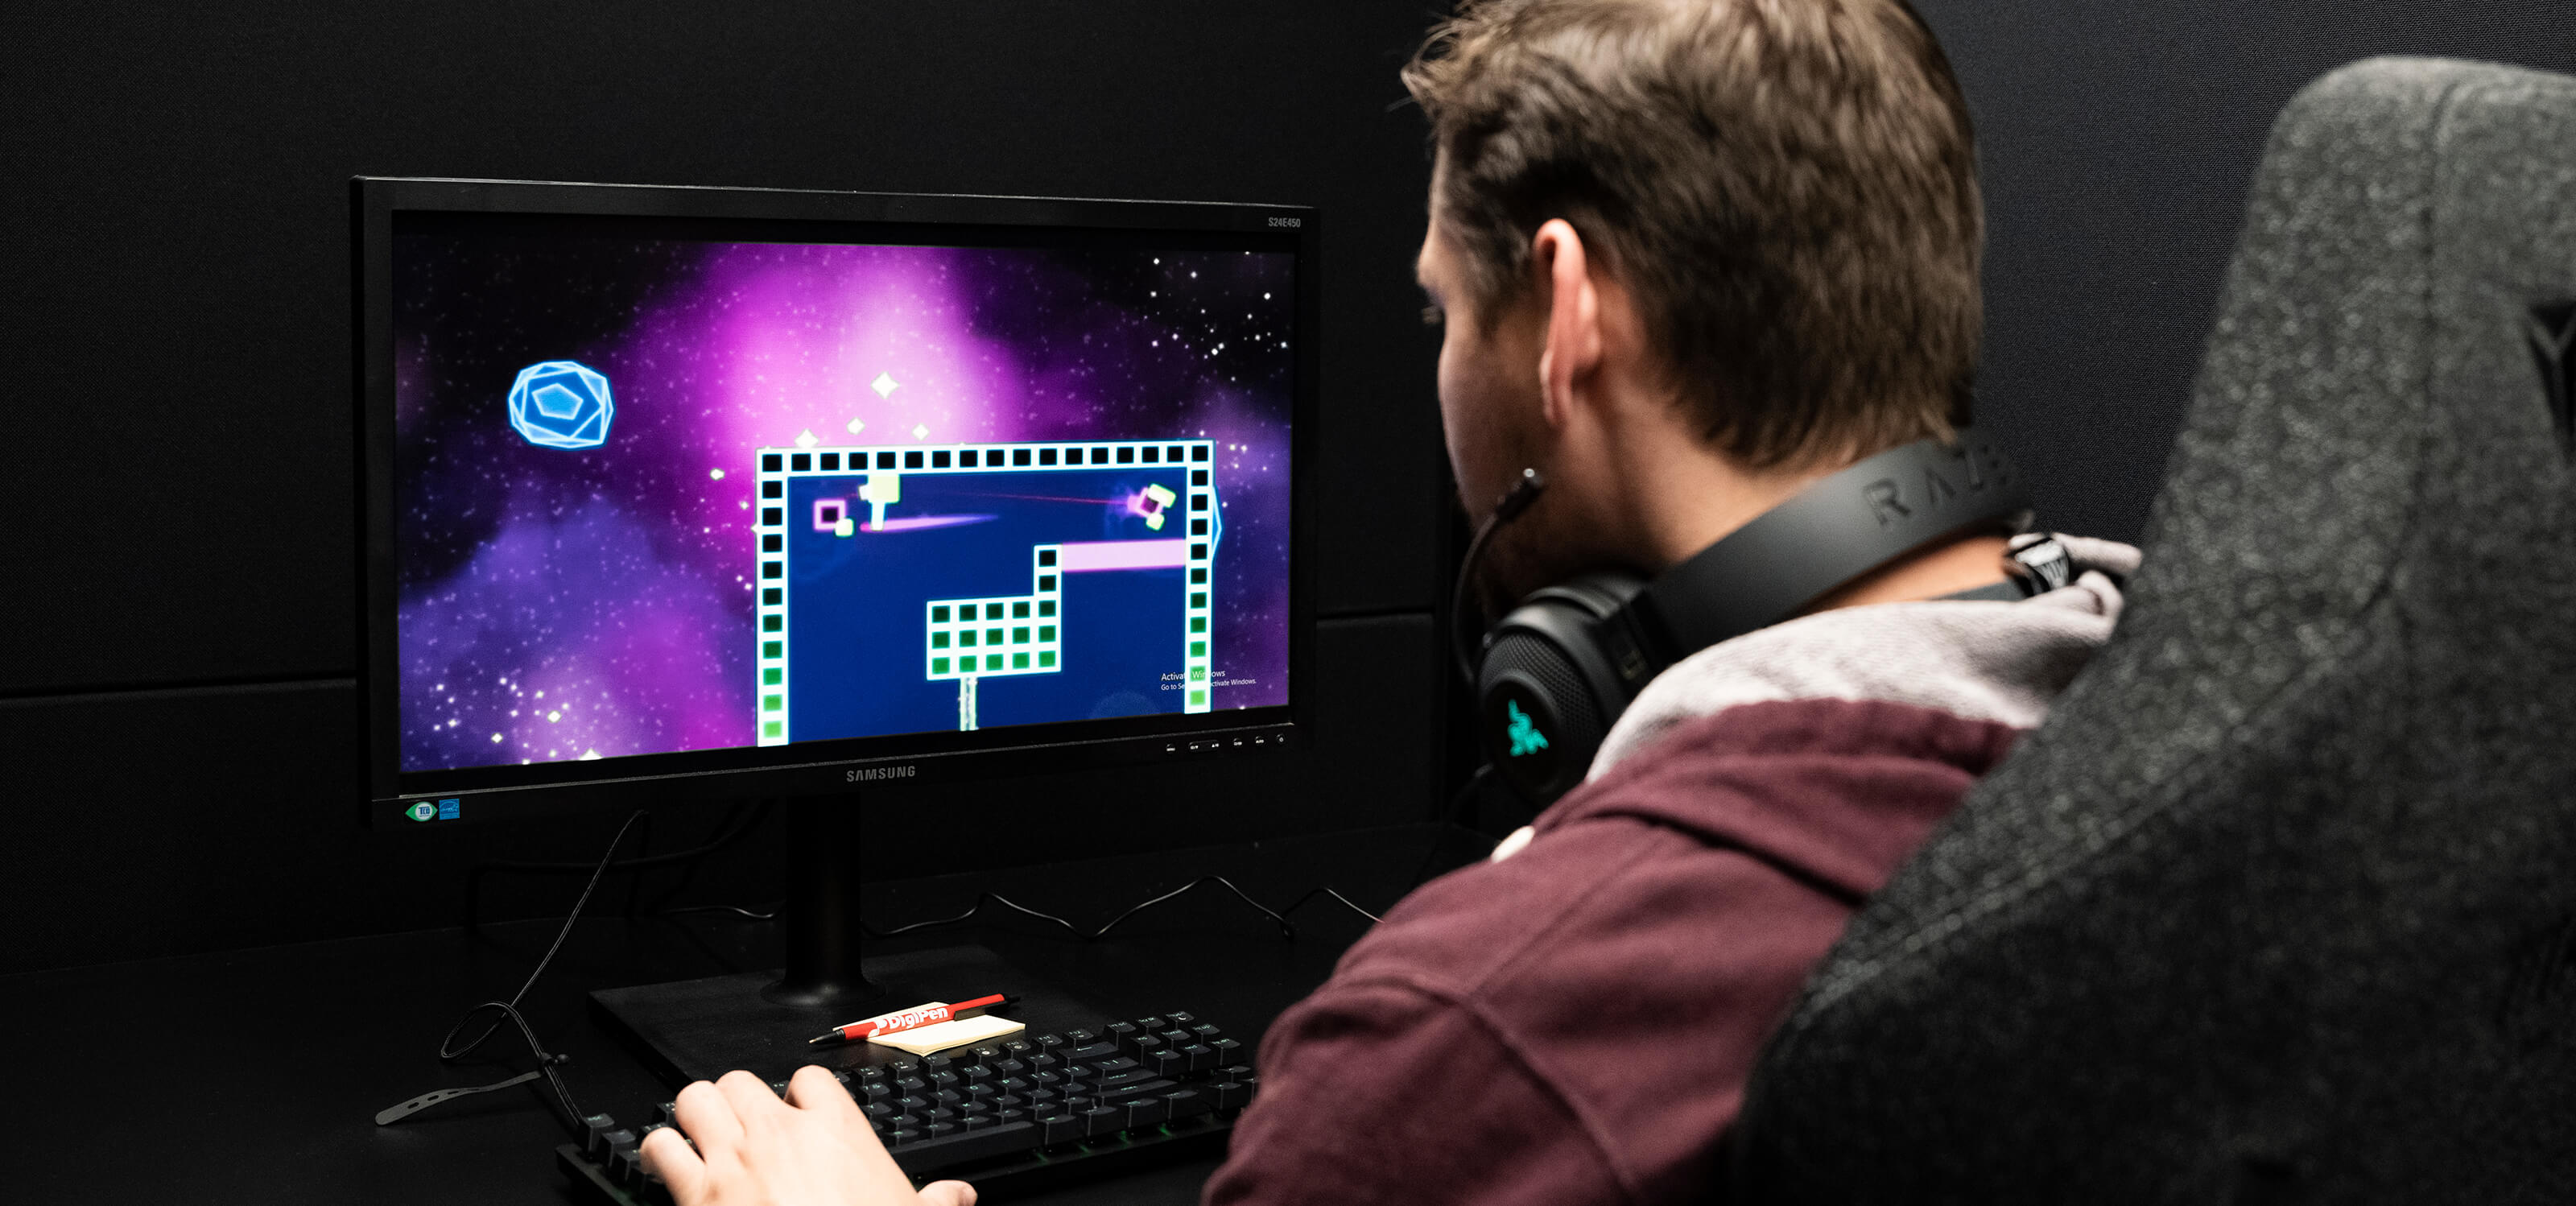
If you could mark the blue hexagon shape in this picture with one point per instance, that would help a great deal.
(560, 404)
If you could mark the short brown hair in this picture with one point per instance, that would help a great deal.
(1789, 188)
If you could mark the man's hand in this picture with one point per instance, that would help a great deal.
(813, 1149)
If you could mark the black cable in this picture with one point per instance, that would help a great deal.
(1506, 509)
(1286, 929)
(449, 1052)
(771, 915)
(737, 823)
(1440, 824)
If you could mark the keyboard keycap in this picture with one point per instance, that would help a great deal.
(1231, 1094)
(1137, 1088)
(1102, 1120)
(1145, 1111)
(1120, 1082)
(1061, 1128)
(1156, 1022)
(1187, 1103)
(1200, 1057)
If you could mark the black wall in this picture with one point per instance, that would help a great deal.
(175, 737)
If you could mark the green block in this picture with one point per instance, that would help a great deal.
(966, 612)
(992, 661)
(1046, 657)
(1019, 611)
(770, 729)
(772, 703)
(772, 676)
(1019, 661)
(967, 638)
(773, 649)
(939, 665)
(1046, 607)
(939, 640)
(1198, 698)
(1198, 598)
(1198, 649)
(1198, 623)
(1019, 636)
(1046, 632)
(772, 623)
(992, 636)
(1198, 674)
(939, 614)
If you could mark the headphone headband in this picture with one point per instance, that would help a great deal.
(1830, 534)
(1556, 673)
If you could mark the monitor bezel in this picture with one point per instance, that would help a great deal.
(816, 767)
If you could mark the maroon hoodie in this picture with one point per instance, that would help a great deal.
(1574, 1023)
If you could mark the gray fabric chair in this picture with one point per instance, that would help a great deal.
(2280, 904)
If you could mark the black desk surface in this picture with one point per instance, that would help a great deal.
(254, 1076)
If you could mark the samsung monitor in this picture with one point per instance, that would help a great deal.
(701, 494)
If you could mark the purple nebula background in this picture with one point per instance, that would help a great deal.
(569, 604)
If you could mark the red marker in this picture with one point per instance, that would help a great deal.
(918, 1015)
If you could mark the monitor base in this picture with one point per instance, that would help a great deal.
(700, 1029)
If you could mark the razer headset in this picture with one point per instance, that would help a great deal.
(1556, 672)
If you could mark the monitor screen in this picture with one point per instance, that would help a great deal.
(667, 486)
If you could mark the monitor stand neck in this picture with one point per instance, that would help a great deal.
(822, 914)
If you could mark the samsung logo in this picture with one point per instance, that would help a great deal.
(869, 774)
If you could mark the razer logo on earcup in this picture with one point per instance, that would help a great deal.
(1525, 737)
(2553, 343)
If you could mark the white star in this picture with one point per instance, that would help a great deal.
(855, 425)
(807, 440)
(884, 384)
(920, 431)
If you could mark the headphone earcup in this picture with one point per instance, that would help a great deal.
(1546, 691)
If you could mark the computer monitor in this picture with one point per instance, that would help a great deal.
(699, 494)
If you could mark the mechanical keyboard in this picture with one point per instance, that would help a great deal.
(1010, 1117)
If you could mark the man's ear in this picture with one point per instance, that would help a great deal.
(1573, 348)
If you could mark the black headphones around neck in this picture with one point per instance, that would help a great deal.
(1556, 672)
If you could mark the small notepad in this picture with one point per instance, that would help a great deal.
(940, 1036)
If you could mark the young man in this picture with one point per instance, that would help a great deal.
(1691, 256)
